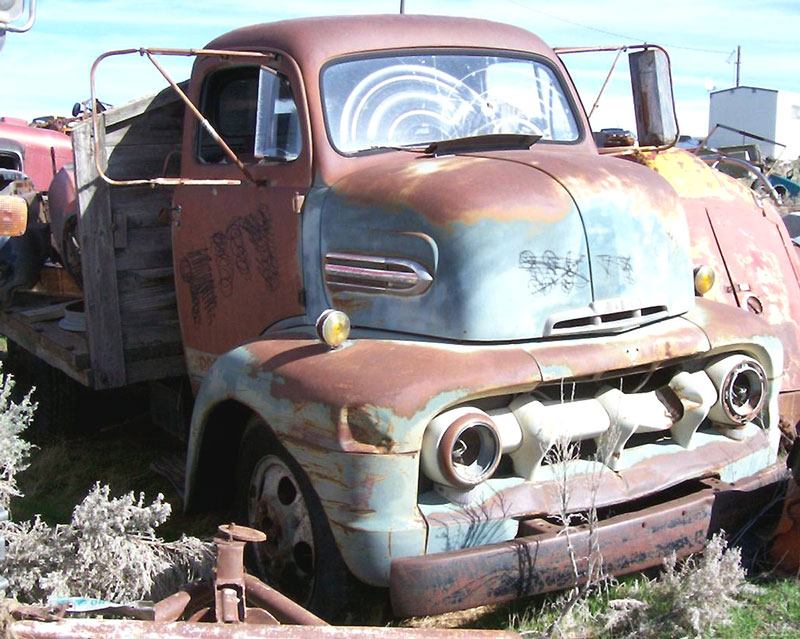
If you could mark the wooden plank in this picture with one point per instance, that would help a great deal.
(54, 279)
(64, 350)
(143, 206)
(42, 313)
(152, 369)
(158, 308)
(146, 279)
(104, 328)
(157, 257)
(152, 101)
(139, 162)
(164, 338)
(162, 128)
(147, 238)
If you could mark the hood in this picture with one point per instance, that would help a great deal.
(504, 246)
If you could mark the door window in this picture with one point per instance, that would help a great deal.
(253, 110)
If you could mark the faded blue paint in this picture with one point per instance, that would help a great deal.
(477, 531)
(501, 277)
(484, 288)
(638, 238)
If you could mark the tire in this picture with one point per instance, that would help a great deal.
(300, 557)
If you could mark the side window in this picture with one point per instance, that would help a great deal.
(255, 113)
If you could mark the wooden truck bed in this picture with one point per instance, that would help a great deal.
(132, 331)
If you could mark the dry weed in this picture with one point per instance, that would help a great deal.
(109, 550)
(687, 599)
(14, 451)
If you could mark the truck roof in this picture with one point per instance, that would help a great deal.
(320, 39)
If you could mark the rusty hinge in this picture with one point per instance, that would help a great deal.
(742, 288)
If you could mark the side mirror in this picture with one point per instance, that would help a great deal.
(653, 102)
(13, 216)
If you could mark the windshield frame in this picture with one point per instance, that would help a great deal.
(563, 81)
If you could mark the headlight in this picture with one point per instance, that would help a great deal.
(461, 448)
(742, 386)
(704, 278)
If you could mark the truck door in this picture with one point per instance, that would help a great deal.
(236, 247)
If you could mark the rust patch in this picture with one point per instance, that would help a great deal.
(693, 178)
(541, 563)
(434, 188)
(400, 375)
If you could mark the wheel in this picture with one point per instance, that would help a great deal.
(275, 505)
(299, 557)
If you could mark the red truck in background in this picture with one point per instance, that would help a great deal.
(32, 151)
(385, 275)
(31, 158)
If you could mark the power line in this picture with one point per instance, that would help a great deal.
(611, 33)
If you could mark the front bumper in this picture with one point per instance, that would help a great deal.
(539, 561)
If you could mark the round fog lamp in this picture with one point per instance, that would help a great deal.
(333, 327)
(744, 391)
(704, 278)
(469, 452)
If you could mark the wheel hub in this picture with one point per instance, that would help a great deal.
(276, 506)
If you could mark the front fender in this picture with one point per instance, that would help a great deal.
(353, 419)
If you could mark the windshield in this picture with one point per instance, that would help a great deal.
(417, 99)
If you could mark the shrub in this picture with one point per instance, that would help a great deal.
(14, 451)
(109, 550)
(687, 599)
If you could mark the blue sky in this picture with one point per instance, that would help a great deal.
(46, 70)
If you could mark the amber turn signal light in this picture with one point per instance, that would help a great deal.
(13, 215)
(704, 278)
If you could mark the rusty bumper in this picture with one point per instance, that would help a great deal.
(540, 562)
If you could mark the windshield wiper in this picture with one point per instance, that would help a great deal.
(488, 142)
(413, 148)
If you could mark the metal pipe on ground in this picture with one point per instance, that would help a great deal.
(112, 629)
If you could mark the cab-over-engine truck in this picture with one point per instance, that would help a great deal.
(398, 276)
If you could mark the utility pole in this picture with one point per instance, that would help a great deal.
(402, 6)
(738, 63)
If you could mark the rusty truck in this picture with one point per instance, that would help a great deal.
(413, 318)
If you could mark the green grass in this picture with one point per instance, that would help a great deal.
(772, 613)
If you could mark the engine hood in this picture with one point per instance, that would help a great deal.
(504, 246)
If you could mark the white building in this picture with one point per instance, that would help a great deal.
(771, 114)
